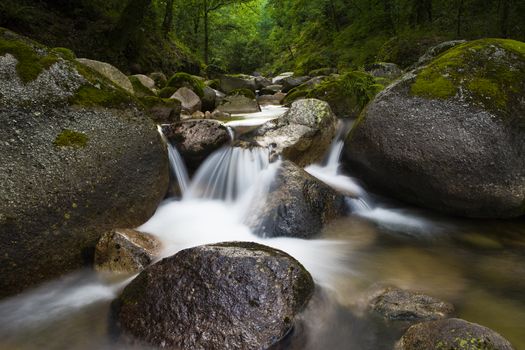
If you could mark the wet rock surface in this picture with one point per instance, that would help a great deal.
(222, 296)
(298, 205)
(126, 251)
(197, 139)
(302, 135)
(451, 334)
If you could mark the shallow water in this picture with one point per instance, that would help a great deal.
(477, 265)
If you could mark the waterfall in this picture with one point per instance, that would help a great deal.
(178, 168)
(229, 173)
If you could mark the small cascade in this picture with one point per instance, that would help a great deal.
(177, 166)
(229, 173)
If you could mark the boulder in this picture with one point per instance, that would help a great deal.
(292, 82)
(262, 82)
(394, 304)
(209, 99)
(436, 50)
(160, 79)
(302, 135)
(297, 205)
(162, 110)
(271, 89)
(189, 100)
(110, 72)
(450, 136)
(278, 79)
(139, 89)
(451, 334)
(145, 81)
(346, 94)
(185, 80)
(222, 296)
(276, 99)
(126, 251)
(387, 71)
(228, 83)
(79, 157)
(197, 139)
(239, 102)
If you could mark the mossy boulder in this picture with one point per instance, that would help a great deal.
(452, 334)
(450, 135)
(139, 87)
(346, 94)
(180, 80)
(239, 101)
(224, 296)
(167, 92)
(160, 79)
(162, 110)
(229, 83)
(110, 72)
(303, 134)
(79, 157)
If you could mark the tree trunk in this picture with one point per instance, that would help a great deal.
(206, 36)
(168, 18)
(504, 18)
(459, 18)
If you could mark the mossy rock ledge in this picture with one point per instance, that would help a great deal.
(450, 135)
(79, 158)
(234, 295)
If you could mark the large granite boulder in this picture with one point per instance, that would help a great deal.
(79, 157)
(452, 334)
(297, 205)
(223, 296)
(450, 135)
(302, 135)
(197, 139)
(189, 100)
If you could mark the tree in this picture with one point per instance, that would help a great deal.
(168, 17)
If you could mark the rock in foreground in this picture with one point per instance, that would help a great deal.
(222, 296)
(302, 135)
(452, 334)
(451, 135)
(78, 158)
(298, 205)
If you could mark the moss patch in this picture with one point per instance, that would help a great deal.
(167, 92)
(489, 73)
(66, 54)
(30, 64)
(139, 89)
(70, 138)
(180, 80)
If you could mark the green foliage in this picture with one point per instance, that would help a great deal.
(71, 138)
(30, 63)
(186, 80)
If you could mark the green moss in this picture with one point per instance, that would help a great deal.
(139, 89)
(66, 54)
(243, 92)
(214, 84)
(489, 73)
(70, 138)
(152, 101)
(167, 92)
(30, 63)
(91, 96)
(187, 80)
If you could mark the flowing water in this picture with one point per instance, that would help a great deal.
(477, 265)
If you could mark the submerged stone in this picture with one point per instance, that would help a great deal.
(223, 296)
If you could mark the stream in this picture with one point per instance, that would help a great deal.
(477, 265)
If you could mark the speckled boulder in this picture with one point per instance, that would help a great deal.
(302, 135)
(452, 334)
(450, 135)
(79, 157)
(222, 296)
